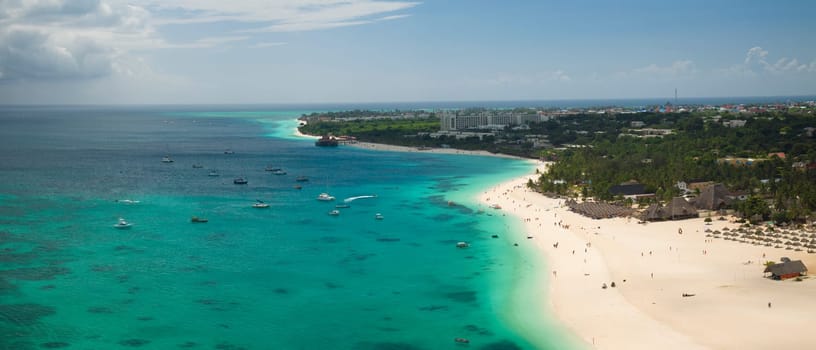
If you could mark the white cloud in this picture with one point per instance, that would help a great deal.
(74, 39)
(265, 45)
(681, 68)
(756, 59)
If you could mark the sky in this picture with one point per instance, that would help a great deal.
(351, 51)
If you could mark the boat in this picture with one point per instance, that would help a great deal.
(327, 141)
(379, 216)
(127, 201)
(461, 340)
(340, 206)
(462, 245)
(213, 173)
(301, 179)
(123, 224)
(197, 166)
(495, 206)
(334, 212)
(229, 151)
(272, 168)
(260, 204)
(166, 159)
(279, 172)
(196, 220)
(240, 181)
(297, 187)
(325, 197)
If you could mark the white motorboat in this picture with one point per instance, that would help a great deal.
(167, 159)
(334, 212)
(279, 172)
(213, 173)
(325, 197)
(379, 216)
(260, 204)
(123, 224)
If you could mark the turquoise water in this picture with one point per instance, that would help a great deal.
(287, 277)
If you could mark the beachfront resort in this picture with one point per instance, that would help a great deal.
(687, 227)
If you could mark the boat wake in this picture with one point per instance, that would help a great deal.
(352, 199)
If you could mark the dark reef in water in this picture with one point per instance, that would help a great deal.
(228, 346)
(472, 328)
(501, 345)
(134, 342)
(24, 314)
(34, 273)
(462, 297)
(386, 346)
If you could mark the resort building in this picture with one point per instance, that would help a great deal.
(786, 269)
(452, 121)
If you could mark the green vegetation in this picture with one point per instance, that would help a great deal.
(778, 189)
(593, 152)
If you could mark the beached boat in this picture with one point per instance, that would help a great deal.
(122, 224)
(166, 159)
(379, 216)
(334, 212)
(260, 204)
(325, 197)
(198, 220)
(240, 181)
(495, 206)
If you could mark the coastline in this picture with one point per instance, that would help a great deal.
(729, 309)
(393, 148)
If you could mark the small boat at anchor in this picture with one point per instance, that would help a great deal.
(334, 212)
(279, 172)
(198, 220)
(197, 166)
(325, 197)
(167, 159)
(122, 224)
(240, 181)
(260, 204)
(379, 216)
(213, 173)
(301, 179)
(340, 206)
(272, 168)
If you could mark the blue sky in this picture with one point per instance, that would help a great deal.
(312, 51)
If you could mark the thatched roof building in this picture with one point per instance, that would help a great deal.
(787, 269)
(714, 197)
(677, 209)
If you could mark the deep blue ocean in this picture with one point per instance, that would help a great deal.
(286, 277)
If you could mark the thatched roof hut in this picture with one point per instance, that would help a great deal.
(677, 209)
(714, 197)
(787, 269)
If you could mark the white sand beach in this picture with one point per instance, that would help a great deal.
(392, 148)
(653, 266)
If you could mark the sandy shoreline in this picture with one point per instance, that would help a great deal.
(392, 148)
(652, 266)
